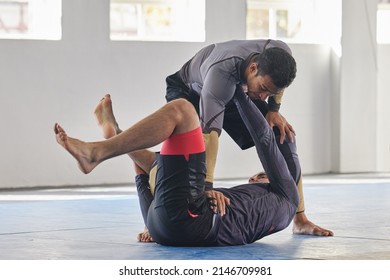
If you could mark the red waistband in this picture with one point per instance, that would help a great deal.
(187, 143)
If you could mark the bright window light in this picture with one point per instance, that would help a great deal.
(157, 20)
(383, 22)
(30, 19)
(297, 21)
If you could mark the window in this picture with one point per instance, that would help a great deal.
(30, 19)
(302, 21)
(157, 20)
(383, 22)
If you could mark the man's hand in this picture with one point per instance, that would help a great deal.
(276, 119)
(217, 201)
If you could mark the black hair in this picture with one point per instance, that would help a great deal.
(278, 64)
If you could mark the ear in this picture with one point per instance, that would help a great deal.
(253, 67)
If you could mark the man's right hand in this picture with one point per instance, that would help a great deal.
(217, 201)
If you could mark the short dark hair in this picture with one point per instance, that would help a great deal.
(278, 64)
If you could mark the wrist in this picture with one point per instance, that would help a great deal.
(208, 186)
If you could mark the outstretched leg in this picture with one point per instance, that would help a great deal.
(175, 117)
(301, 224)
(270, 156)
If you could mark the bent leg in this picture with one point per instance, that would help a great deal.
(179, 214)
(171, 119)
(143, 161)
(106, 120)
(290, 154)
(301, 225)
(105, 117)
(270, 156)
(145, 196)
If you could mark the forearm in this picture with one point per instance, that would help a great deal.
(212, 143)
(274, 102)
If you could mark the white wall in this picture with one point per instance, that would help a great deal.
(364, 104)
(383, 110)
(43, 82)
(358, 86)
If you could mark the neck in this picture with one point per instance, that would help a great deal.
(244, 66)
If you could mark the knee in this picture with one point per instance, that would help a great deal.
(184, 108)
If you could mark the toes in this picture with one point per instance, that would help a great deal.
(59, 131)
(322, 232)
(57, 128)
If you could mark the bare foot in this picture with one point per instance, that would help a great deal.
(80, 150)
(145, 236)
(105, 117)
(302, 225)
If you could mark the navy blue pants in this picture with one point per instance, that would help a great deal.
(258, 210)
